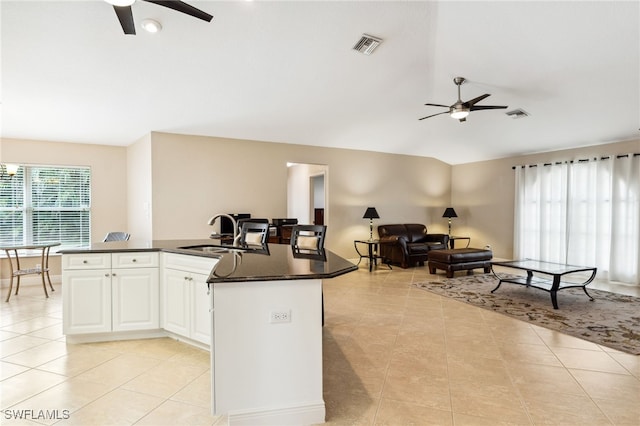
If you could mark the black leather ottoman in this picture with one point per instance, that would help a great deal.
(464, 259)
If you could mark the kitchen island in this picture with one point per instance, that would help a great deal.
(258, 309)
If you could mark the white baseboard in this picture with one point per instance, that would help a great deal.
(30, 280)
(114, 336)
(298, 415)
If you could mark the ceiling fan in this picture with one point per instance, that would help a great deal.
(125, 15)
(460, 109)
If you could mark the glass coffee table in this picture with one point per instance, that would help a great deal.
(552, 279)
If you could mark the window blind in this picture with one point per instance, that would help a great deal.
(47, 204)
(11, 209)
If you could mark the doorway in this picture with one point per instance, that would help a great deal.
(317, 199)
(307, 195)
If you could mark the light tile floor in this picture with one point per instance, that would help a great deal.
(394, 355)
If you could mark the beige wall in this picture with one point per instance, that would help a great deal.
(194, 177)
(179, 181)
(108, 171)
(167, 186)
(483, 193)
(108, 183)
(139, 203)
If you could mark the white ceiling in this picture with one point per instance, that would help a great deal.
(286, 72)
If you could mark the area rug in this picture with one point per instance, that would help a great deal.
(611, 320)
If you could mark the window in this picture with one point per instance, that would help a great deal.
(581, 213)
(45, 204)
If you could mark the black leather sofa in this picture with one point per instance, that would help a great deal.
(408, 244)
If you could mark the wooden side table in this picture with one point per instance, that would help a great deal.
(453, 238)
(42, 270)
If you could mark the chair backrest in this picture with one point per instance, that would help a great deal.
(254, 233)
(239, 222)
(116, 236)
(308, 237)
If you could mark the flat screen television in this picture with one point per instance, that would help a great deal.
(226, 226)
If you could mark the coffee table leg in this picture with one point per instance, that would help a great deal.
(554, 290)
(585, 292)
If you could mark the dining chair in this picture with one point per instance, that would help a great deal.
(254, 233)
(308, 237)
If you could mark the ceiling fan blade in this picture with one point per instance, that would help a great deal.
(480, 107)
(183, 7)
(433, 115)
(439, 105)
(478, 99)
(125, 16)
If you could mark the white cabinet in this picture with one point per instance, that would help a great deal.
(177, 291)
(86, 301)
(105, 292)
(187, 301)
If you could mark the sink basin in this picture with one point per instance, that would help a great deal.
(213, 248)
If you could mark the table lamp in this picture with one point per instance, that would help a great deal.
(449, 212)
(371, 214)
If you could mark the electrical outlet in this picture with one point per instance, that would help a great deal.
(283, 315)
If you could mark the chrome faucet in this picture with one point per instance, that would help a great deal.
(236, 236)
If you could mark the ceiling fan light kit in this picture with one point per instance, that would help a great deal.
(460, 110)
(125, 14)
(460, 113)
(120, 3)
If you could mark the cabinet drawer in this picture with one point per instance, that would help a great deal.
(86, 261)
(195, 264)
(139, 259)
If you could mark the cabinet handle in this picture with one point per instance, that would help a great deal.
(113, 275)
(84, 261)
(133, 260)
(106, 275)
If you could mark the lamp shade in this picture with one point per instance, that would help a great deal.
(449, 212)
(371, 213)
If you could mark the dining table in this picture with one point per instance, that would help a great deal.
(13, 253)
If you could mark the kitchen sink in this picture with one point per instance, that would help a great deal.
(214, 248)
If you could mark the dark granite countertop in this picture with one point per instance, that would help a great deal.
(268, 263)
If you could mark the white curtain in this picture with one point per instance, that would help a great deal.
(625, 220)
(581, 213)
(541, 213)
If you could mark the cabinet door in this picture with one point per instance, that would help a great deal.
(201, 315)
(86, 301)
(135, 299)
(176, 301)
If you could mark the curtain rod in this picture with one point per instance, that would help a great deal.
(583, 160)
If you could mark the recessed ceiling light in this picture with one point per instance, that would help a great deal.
(151, 25)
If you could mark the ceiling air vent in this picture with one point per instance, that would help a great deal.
(517, 113)
(367, 44)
